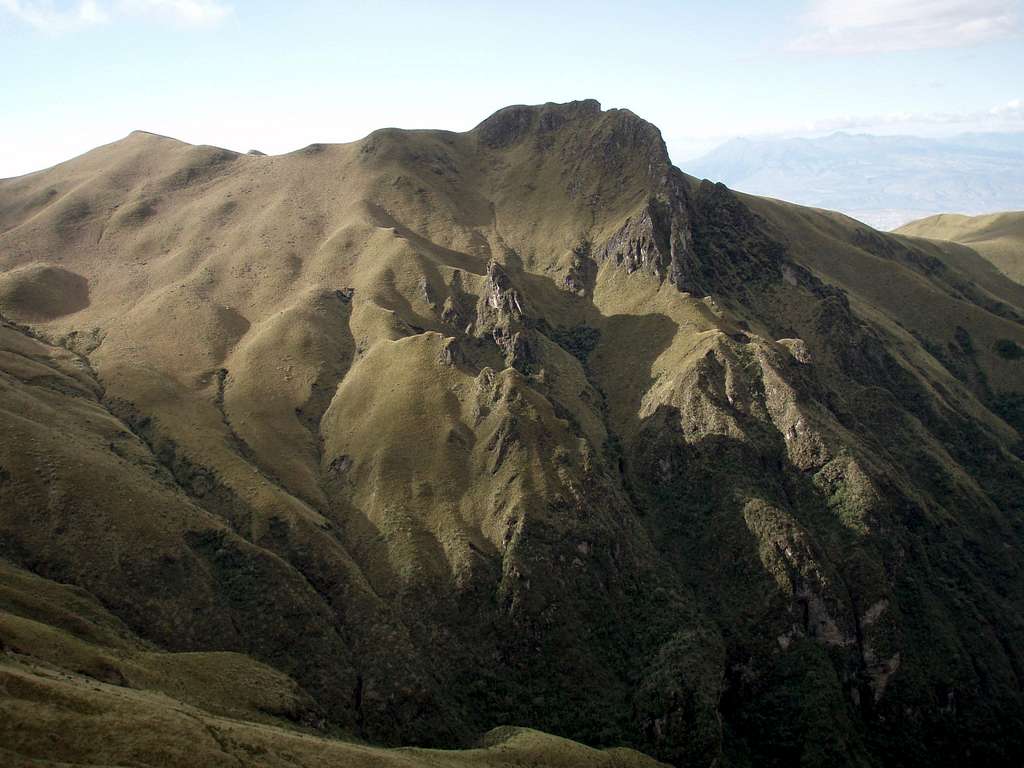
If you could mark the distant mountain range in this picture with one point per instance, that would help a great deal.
(885, 181)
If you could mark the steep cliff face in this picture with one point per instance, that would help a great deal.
(524, 425)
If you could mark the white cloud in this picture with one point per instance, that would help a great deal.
(1011, 110)
(187, 11)
(53, 17)
(871, 26)
(46, 16)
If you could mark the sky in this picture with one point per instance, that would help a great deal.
(277, 76)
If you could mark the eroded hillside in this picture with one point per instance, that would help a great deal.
(522, 426)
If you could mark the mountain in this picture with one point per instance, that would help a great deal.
(885, 181)
(407, 439)
(998, 237)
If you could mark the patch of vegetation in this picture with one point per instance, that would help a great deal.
(1009, 406)
(578, 342)
(1008, 349)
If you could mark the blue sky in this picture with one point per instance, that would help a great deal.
(279, 75)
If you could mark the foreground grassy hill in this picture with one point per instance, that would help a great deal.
(402, 440)
(999, 237)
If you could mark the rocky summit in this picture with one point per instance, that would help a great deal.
(511, 445)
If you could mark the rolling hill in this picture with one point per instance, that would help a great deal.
(998, 237)
(400, 441)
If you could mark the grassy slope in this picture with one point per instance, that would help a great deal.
(999, 237)
(103, 724)
(80, 687)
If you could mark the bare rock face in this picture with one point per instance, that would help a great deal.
(645, 243)
(501, 314)
(501, 300)
(580, 276)
(797, 349)
(443, 431)
(701, 240)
